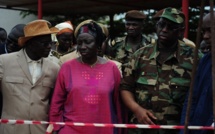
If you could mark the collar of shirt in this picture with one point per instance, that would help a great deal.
(30, 60)
(175, 55)
(144, 41)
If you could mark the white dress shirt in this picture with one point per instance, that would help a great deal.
(35, 68)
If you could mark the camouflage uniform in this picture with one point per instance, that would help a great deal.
(54, 56)
(160, 88)
(124, 51)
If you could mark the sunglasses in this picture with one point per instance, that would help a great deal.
(169, 26)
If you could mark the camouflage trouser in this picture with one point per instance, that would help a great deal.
(149, 131)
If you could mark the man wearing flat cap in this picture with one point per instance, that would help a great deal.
(122, 49)
(27, 79)
(158, 77)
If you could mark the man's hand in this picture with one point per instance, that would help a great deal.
(144, 116)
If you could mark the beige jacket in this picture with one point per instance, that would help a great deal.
(22, 99)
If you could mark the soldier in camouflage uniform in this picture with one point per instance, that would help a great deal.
(158, 77)
(123, 48)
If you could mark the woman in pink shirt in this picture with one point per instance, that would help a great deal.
(86, 89)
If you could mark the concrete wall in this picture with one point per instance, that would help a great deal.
(9, 18)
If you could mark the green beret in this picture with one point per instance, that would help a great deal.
(134, 14)
(173, 14)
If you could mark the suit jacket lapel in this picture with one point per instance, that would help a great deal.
(23, 64)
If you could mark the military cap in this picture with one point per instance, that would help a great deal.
(134, 14)
(173, 15)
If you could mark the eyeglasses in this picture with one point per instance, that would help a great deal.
(45, 43)
(169, 26)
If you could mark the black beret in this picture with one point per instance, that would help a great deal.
(135, 14)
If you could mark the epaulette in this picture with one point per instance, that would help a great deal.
(56, 54)
(181, 42)
(116, 40)
(187, 49)
(151, 39)
(189, 43)
(111, 43)
(146, 37)
(119, 39)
